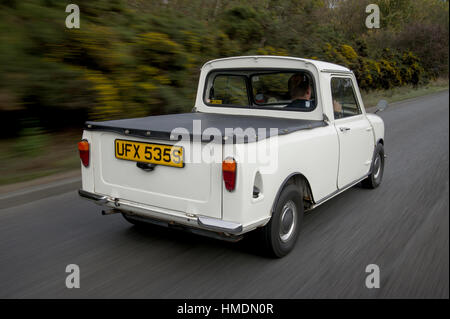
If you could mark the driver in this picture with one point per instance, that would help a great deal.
(300, 91)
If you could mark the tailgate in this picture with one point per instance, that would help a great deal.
(195, 188)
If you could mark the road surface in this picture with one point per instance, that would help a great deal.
(403, 227)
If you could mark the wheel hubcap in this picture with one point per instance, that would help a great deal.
(377, 167)
(288, 221)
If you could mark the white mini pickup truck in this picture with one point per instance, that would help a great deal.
(268, 139)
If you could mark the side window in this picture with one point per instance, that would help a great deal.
(228, 89)
(344, 99)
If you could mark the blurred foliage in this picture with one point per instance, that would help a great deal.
(140, 57)
(31, 142)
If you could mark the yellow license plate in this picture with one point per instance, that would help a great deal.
(160, 154)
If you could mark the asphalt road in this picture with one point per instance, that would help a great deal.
(403, 227)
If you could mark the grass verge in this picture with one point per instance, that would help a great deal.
(37, 154)
(403, 93)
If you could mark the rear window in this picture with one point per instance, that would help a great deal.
(289, 90)
(271, 88)
(229, 89)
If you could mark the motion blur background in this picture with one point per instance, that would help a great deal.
(134, 58)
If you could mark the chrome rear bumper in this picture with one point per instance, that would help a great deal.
(98, 199)
(143, 211)
(219, 225)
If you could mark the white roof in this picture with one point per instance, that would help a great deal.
(273, 61)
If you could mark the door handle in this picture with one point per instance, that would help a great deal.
(369, 129)
(344, 129)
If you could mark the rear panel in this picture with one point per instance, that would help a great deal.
(194, 188)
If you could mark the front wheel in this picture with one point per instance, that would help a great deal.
(281, 233)
(375, 177)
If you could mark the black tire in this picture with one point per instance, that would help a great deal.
(374, 179)
(280, 237)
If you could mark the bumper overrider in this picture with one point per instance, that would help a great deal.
(203, 225)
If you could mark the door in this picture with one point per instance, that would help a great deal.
(356, 140)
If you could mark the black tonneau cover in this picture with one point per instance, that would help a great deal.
(162, 126)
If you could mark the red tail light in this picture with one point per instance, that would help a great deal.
(83, 147)
(229, 173)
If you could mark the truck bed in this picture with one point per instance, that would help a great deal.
(161, 126)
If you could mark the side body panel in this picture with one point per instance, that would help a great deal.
(378, 126)
(313, 153)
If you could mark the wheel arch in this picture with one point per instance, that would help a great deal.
(304, 186)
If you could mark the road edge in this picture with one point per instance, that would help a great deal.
(37, 192)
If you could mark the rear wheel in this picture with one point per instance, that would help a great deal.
(375, 177)
(281, 233)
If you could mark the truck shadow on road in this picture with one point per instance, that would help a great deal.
(314, 224)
